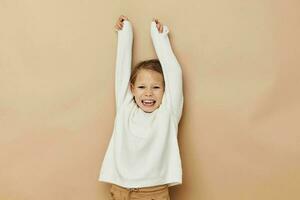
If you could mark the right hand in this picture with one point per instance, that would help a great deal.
(120, 22)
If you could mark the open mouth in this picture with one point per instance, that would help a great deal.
(148, 102)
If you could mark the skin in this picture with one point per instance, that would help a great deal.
(148, 84)
(120, 22)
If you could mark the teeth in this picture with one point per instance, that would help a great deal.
(148, 102)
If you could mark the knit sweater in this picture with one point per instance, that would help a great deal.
(143, 149)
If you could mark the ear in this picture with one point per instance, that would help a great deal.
(131, 87)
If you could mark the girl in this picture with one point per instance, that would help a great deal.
(143, 159)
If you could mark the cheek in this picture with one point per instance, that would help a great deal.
(160, 94)
(137, 93)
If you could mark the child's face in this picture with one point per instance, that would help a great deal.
(148, 90)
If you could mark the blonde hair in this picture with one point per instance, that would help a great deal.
(151, 64)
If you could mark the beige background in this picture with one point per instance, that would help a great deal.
(239, 134)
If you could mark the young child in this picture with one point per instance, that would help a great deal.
(143, 159)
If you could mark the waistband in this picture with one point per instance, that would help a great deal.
(142, 189)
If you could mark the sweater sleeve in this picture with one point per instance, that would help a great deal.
(171, 69)
(123, 63)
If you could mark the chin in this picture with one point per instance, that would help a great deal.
(149, 110)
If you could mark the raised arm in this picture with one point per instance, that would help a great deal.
(123, 59)
(171, 69)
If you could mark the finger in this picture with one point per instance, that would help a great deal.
(162, 28)
(122, 18)
(119, 26)
(158, 26)
(118, 21)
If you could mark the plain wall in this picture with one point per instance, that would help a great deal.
(239, 133)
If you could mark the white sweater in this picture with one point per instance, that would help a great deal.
(143, 149)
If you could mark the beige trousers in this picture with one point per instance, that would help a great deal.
(159, 192)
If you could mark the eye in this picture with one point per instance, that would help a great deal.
(141, 87)
(156, 87)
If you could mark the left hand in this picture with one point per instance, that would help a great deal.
(159, 25)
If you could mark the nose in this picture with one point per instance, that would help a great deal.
(148, 92)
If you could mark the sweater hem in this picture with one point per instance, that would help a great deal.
(148, 183)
